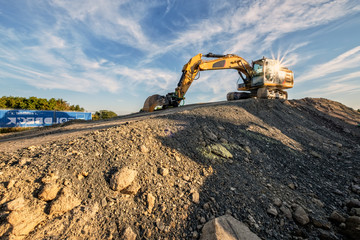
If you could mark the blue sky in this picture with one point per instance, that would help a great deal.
(112, 55)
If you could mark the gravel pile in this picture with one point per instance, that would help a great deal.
(282, 169)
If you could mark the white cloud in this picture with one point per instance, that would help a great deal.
(348, 60)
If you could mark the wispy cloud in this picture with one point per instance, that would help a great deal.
(348, 60)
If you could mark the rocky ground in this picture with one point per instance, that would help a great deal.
(283, 169)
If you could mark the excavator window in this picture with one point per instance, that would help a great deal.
(258, 69)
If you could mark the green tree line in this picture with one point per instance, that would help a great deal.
(34, 103)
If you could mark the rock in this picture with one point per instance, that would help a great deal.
(291, 186)
(286, 211)
(132, 189)
(16, 204)
(195, 235)
(164, 171)
(300, 216)
(272, 211)
(320, 223)
(221, 151)
(355, 212)
(11, 183)
(122, 179)
(247, 149)
(206, 206)
(336, 217)
(51, 177)
(325, 235)
(64, 202)
(318, 202)
(315, 154)
(277, 202)
(25, 220)
(353, 203)
(355, 188)
(160, 225)
(352, 229)
(195, 197)
(144, 149)
(150, 199)
(128, 234)
(226, 228)
(212, 136)
(49, 192)
(24, 160)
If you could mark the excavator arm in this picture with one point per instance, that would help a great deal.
(191, 70)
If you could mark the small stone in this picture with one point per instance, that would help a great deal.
(247, 149)
(103, 202)
(272, 211)
(355, 188)
(291, 186)
(24, 161)
(80, 176)
(277, 202)
(49, 192)
(195, 197)
(352, 229)
(353, 203)
(315, 154)
(286, 211)
(319, 223)
(128, 234)
(226, 227)
(144, 149)
(160, 225)
(186, 178)
(318, 202)
(122, 179)
(150, 202)
(64, 202)
(164, 171)
(202, 220)
(339, 145)
(355, 212)
(337, 217)
(301, 216)
(206, 206)
(10, 184)
(177, 158)
(132, 189)
(221, 151)
(195, 235)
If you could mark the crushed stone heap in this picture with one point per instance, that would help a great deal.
(267, 169)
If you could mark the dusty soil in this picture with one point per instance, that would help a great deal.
(257, 160)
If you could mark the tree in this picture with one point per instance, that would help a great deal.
(103, 114)
(34, 103)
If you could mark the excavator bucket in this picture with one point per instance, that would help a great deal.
(152, 102)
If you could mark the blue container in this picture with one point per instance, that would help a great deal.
(34, 118)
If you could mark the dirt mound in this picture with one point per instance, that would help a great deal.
(287, 169)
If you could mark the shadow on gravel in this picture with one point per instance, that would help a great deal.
(295, 154)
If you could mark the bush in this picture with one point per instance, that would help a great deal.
(103, 114)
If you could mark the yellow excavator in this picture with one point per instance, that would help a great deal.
(264, 78)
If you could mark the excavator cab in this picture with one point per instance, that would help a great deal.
(268, 80)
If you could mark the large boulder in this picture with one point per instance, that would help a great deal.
(227, 228)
